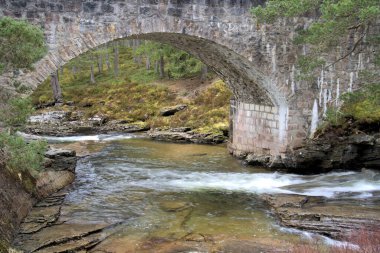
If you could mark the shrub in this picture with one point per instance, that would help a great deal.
(16, 112)
(364, 104)
(23, 160)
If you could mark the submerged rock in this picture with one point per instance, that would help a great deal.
(174, 206)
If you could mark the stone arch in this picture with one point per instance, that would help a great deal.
(247, 83)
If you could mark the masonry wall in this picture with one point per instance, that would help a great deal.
(258, 129)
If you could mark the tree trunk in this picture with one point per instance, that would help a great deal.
(204, 72)
(92, 76)
(162, 66)
(116, 61)
(156, 69)
(147, 63)
(100, 63)
(74, 72)
(57, 92)
(108, 62)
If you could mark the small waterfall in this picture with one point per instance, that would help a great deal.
(314, 118)
(273, 52)
(337, 92)
(292, 76)
(360, 63)
(324, 102)
(351, 81)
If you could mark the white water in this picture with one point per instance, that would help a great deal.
(337, 92)
(314, 119)
(292, 76)
(324, 102)
(163, 176)
(97, 138)
(318, 238)
(273, 56)
(351, 82)
(342, 184)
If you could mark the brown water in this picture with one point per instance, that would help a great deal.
(196, 198)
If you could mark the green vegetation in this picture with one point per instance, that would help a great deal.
(21, 44)
(362, 106)
(4, 246)
(337, 20)
(138, 92)
(23, 160)
(16, 112)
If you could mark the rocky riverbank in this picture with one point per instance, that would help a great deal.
(333, 217)
(186, 135)
(15, 202)
(62, 123)
(65, 123)
(335, 149)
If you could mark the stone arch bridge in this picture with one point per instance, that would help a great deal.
(271, 115)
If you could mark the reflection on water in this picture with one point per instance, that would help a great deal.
(163, 190)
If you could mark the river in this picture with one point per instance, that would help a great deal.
(165, 195)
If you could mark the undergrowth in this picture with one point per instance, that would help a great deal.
(360, 109)
(22, 159)
(137, 94)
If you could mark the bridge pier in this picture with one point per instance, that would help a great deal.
(264, 135)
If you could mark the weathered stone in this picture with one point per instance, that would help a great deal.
(174, 206)
(98, 120)
(54, 153)
(186, 137)
(362, 139)
(169, 111)
(333, 217)
(49, 182)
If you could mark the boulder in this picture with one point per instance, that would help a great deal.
(169, 111)
(98, 120)
(60, 160)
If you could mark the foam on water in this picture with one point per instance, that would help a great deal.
(327, 185)
(78, 138)
(316, 237)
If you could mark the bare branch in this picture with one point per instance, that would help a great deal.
(348, 53)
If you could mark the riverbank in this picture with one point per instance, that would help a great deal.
(16, 202)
